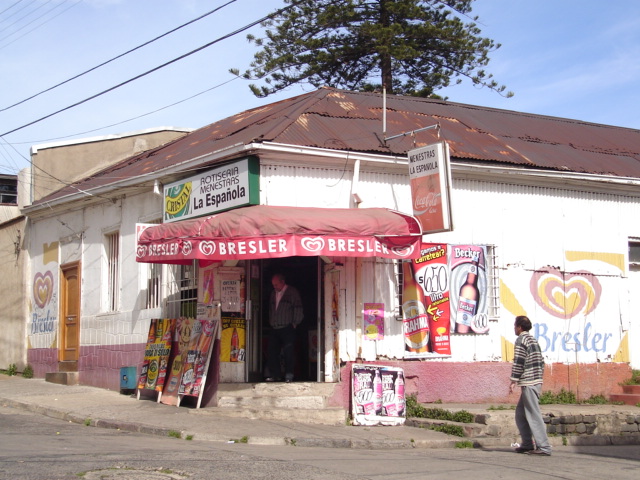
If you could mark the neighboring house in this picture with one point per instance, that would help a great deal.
(14, 260)
(54, 166)
(551, 204)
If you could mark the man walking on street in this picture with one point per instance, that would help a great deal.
(527, 370)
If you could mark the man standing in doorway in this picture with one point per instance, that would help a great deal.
(527, 371)
(285, 314)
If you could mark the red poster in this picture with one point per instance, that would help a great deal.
(156, 354)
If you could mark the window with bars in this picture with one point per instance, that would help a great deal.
(152, 280)
(182, 286)
(634, 254)
(113, 270)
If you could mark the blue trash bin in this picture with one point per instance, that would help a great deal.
(127, 379)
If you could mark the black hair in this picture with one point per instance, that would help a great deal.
(523, 322)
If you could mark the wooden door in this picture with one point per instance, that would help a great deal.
(70, 313)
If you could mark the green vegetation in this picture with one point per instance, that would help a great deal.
(417, 410)
(244, 439)
(634, 380)
(27, 372)
(189, 437)
(456, 430)
(87, 422)
(596, 400)
(566, 397)
(502, 407)
(464, 444)
(174, 434)
(409, 47)
(12, 370)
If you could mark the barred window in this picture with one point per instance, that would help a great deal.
(112, 245)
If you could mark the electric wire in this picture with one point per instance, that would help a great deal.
(120, 55)
(159, 67)
(39, 25)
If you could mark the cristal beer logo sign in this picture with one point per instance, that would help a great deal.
(177, 200)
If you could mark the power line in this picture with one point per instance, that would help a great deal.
(39, 25)
(19, 10)
(137, 77)
(130, 119)
(29, 13)
(117, 57)
(10, 6)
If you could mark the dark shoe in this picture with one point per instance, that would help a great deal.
(537, 451)
(523, 450)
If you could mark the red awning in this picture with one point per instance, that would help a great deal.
(263, 231)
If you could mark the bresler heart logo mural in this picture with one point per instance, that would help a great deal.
(43, 288)
(565, 295)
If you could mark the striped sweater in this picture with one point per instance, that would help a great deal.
(528, 364)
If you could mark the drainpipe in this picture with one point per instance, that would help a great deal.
(358, 272)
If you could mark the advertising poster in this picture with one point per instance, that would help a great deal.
(233, 339)
(156, 354)
(377, 395)
(431, 271)
(374, 321)
(415, 323)
(469, 313)
(179, 351)
(196, 361)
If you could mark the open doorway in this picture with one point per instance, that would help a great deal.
(303, 274)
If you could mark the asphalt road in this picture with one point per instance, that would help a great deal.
(37, 447)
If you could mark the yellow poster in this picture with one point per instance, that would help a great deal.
(233, 339)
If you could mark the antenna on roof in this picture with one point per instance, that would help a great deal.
(384, 122)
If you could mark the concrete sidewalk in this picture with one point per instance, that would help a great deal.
(108, 409)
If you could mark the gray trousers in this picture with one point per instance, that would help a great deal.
(529, 419)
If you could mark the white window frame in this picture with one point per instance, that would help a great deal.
(112, 245)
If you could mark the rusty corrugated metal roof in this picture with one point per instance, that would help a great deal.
(344, 120)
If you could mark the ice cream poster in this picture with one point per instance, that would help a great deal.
(374, 321)
(377, 395)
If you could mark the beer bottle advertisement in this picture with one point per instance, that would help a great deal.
(414, 315)
(432, 274)
(156, 354)
(469, 313)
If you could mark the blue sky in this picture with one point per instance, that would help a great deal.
(566, 58)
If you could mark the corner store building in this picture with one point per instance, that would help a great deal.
(537, 192)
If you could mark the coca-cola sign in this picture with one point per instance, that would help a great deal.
(430, 187)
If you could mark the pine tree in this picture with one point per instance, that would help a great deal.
(411, 47)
